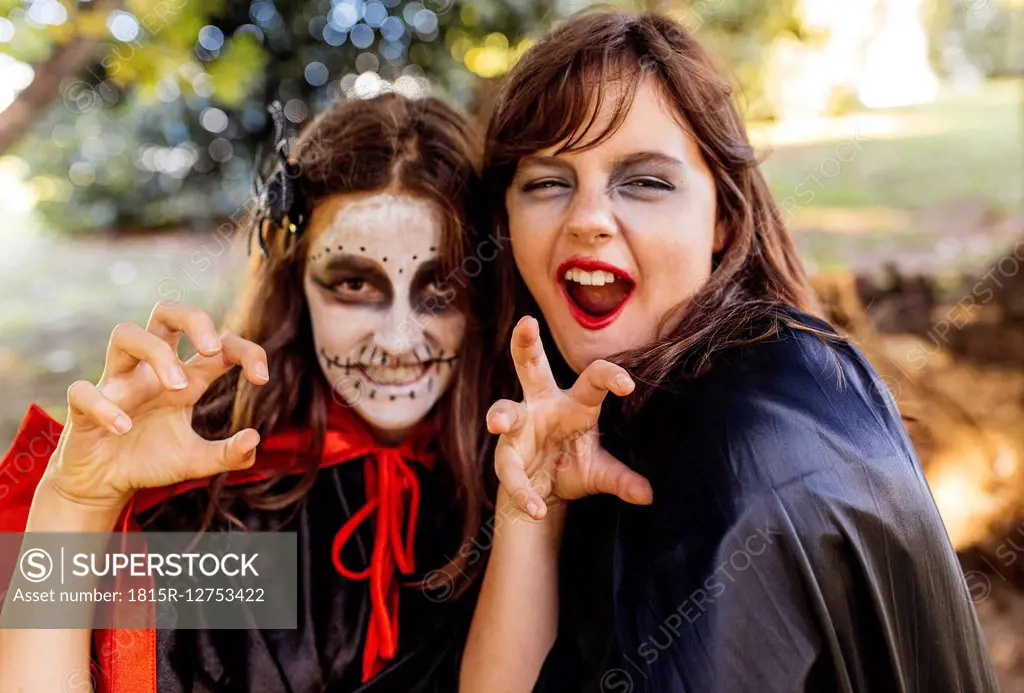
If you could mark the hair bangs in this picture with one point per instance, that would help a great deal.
(577, 107)
(602, 86)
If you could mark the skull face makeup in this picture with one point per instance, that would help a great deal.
(386, 334)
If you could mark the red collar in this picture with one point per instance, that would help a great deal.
(392, 491)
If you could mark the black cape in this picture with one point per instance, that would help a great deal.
(324, 654)
(793, 544)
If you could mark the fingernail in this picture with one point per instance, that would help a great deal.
(250, 439)
(643, 494)
(623, 380)
(177, 378)
(122, 423)
(532, 509)
(209, 342)
(260, 371)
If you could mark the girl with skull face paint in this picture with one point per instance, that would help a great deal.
(358, 353)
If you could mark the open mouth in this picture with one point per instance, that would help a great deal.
(596, 291)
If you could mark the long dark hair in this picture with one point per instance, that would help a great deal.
(552, 97)
(420, 146)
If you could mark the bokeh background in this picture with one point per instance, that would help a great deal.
(892, 133)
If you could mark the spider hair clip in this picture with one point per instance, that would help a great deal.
(278, 198)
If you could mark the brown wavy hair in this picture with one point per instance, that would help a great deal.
(423, 147)
(552, 98)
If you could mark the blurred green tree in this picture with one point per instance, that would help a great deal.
(143, 113)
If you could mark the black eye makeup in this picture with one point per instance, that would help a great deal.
(641, 175)
(646, 174)
(646, 184)
(353, 280)
(429, 293)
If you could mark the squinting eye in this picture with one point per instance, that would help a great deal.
(650, 183)
(544, 184)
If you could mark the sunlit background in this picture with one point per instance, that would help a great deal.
(892, 133)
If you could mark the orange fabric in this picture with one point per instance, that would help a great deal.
(126, 659)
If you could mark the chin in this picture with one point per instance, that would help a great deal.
(581, 347)
(580, 355)
(386, 419)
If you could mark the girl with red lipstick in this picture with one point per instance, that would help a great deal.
(354, 421)
(778, 533)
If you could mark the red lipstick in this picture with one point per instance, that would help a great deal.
(589, 264)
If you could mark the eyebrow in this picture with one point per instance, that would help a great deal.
(348, 262)
(646, 158)
(552, 161)
(619, 164)
(367, 269)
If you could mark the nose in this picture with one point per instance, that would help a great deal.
(401, 330)
(591, 220)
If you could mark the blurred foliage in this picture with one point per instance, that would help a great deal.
(162, 126)
(739, 32)
(976, 39)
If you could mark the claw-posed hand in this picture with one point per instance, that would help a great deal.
(549, 447)
(133, 429)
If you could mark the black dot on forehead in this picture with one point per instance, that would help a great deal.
(433, 248)
(413, 257)
(362, 249)
(385, 259)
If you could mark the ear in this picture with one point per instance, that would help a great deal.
(721, 237)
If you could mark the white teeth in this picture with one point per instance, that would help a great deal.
(395, 374)
(595, 278)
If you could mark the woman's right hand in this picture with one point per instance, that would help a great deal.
(549, 448)
(133, 429)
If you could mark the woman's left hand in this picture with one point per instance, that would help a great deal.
(549, 449)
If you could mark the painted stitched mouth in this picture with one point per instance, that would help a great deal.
(397, 374)
(379, 369)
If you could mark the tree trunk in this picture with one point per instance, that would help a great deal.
(65, 61)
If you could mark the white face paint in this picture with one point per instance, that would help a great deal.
(386, 334)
